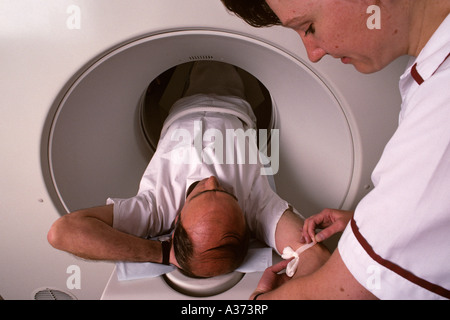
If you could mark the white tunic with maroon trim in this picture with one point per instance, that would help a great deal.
(398, 244)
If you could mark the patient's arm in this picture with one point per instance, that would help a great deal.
(289, 233)
(89, 234)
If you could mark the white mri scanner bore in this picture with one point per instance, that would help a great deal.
(101, 137)
(95, 139)
(97, 148)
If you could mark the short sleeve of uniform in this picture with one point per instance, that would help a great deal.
(398, 245)
(136, 215)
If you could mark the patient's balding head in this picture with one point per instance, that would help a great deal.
(211, 236)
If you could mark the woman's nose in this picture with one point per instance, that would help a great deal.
(314, 51)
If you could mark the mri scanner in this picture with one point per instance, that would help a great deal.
(75, 131)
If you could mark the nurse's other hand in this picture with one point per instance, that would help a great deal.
(271, 279)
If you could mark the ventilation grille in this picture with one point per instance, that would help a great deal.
(195, 58)
(52, 294)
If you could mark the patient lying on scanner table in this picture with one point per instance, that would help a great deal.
(195, 191)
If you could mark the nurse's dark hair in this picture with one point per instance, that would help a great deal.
(255, 12)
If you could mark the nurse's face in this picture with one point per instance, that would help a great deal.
(339, 28)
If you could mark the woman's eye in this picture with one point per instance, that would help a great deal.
(310, 30)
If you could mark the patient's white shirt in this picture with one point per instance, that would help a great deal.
(196, 123)
(398, 245)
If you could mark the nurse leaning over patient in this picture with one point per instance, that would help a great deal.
(396, 245)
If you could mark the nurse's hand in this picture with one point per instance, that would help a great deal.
(271, 279)
(330, 220)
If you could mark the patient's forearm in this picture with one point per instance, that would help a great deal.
(289, 233)
(91, 238)
(312, 259)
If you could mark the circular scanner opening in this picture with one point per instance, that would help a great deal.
(96, 148)
(170, 86)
